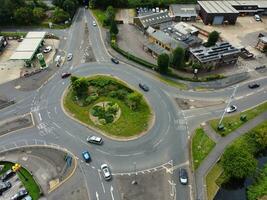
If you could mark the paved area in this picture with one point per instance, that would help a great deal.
(218, 150)
(15, 123)
(125, 15)
(186, 104)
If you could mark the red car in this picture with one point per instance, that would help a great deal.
(65, 75)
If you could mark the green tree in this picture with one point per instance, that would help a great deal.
(260, 135)
(238, 163)
(59, 15)
(114, 28)
(23, 16)
(92, 4)
(73, 79)
(163, 63)
(134, 100)
(109, 16)
(80, 87)
(38, 14)
(213, 38)
(70, 6)
(178, 58)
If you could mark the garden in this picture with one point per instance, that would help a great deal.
(109, 105)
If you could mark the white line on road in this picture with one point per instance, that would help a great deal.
(55, 109)
(111, 192)
(103, 187)
(56, 125)
(40, 117)
(97, 197)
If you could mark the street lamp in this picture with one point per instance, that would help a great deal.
(134, 182)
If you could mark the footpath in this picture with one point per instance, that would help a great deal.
(217, 151)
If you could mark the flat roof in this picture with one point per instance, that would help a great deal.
(29, 44)
(35, 35)
(21, 55)
(183, 10)
(217, 7)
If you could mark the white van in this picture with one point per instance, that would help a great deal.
(58, 60)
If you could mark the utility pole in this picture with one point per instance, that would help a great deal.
(229, 101)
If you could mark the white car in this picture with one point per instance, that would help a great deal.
(106, 172)
(47, 49)
(257, 18)
(94, 23)
(231, 109)
(69, 57)
(94, 139)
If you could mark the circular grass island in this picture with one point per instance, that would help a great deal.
(109, 105)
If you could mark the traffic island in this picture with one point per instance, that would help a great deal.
(109, 106)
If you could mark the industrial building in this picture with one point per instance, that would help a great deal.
(219, 12)
(155, 20)
(183, 12)
(262, 44)
(222, 53)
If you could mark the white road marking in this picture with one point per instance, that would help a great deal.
(55, 109)
(111, 192)
(40, 117)
(97, 197)
(56, 124)
(48, 113)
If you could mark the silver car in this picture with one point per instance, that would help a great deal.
(231, 109)
(69, 57)
(94, 139)
(106, 172)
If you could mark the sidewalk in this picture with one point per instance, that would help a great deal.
(216, 153)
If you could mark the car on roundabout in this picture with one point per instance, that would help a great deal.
(65, 75)
(86, 156)
(115, 60)
(106, 172)
(69, 56)
(231, 109)
(144, 87)
(94, 140)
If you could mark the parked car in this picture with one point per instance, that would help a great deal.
(183, 177)
(20, 194)
(7, 175)
(144, 87)
(86, 156)
(69, 57)
(28, 197)
(231, 109)
(94, 139)
(115, 60)
(106, 172)
(257, 18)
(253, 85)
(47, 49)
(65, 75)
(94, 23)
(4, 186)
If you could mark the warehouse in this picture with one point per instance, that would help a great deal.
(183, 12)
(250, 7)
(222, 53)
(217, 12)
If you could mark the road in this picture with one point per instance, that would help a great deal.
(166, 141)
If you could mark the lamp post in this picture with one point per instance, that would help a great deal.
(134, 182)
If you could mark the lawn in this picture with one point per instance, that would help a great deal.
(211, 178)
(201, 146)
(100, 15)
(31, 186)
(130, 123)
(233, 122)
(170, 82)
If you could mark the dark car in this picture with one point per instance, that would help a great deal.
(65, 75)
(183, 177)
(253, 85)
(20, 194)
(86, 156)
(4, 186)
(115, 60)
(144, 87)
(7, 175)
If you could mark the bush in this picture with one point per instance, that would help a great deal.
(60, 16)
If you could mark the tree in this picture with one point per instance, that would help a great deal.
(134, 100)
(60, 15)
(73, 79)
(80, 87)
(238, 163)
(38, 14)
(109, 16)
(163, 63)
(23, 16)
(178, 56)
(213, 38)
(260, 135)
(114, 28)
(70, 6)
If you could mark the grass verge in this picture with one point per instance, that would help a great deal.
(26, 179)
(201, 146)
(233, 122)
(178, 85)
(100, 15)
(211, 185)
(13, 34)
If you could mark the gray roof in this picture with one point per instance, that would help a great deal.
(183, 10)
(221, 49)
(155, 18)
(168, 40)
(259, 3)
(217, 7)
(156, 48)
(264, 39)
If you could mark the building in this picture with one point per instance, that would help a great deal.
(155, 20)
(3, 43)
(222, 53)
(186, 29)
(160, 42)
(250, 7)
(183, 12)
(217, 12)
(262, 44)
